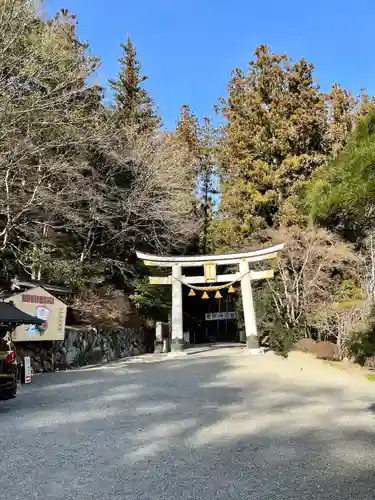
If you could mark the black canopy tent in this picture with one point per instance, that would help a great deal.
(11, 316)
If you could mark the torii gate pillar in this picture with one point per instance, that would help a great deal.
(248, 307)
(245, 275)
(177, 341)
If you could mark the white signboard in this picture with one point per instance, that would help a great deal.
(220, 315)
(41, 304)
(27, 366)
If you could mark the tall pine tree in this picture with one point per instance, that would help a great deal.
(133, 105)
(207, 182)
(200, 141)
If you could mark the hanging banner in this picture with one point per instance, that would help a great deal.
(210, 271)
(220, 316)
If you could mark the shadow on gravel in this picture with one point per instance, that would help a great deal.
(199, 349)
(185, 429)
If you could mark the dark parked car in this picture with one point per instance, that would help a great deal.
(8, 370)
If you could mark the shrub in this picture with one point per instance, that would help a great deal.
(327, 350)
(282, 339)
(305, 345)
(370, 363)
(362, 345)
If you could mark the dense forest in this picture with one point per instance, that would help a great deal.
(84, 184)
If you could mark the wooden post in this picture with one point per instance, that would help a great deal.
(158, 343)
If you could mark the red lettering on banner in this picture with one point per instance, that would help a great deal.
(37, 299)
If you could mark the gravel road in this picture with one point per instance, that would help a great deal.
(216, 424)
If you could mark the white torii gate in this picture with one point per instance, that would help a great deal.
(244, 275)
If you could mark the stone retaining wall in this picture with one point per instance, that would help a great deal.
(85, 346)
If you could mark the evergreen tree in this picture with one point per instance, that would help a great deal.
(341, 194)
(276, 134)
(208, 182)
(341, 105)
(133, 105)
(187, 130)
(365, 104)
(200, 141)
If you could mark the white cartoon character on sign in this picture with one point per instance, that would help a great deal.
(42, 313)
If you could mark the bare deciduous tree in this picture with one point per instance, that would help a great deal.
(103, 307)
(77, 191)
(311, 271)
(47, 115)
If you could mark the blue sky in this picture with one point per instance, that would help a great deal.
(188, 47)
